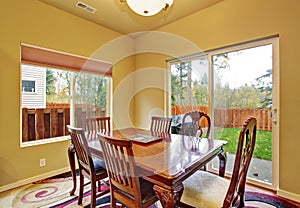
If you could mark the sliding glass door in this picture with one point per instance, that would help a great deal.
(231, 84)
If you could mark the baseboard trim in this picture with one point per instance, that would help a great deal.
(33, 179)
(289, 195)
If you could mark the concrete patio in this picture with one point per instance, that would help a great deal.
(259, 169)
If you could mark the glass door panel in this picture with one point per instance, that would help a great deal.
(189, 89)
(242, 88)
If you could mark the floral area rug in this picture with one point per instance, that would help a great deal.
(54, 193)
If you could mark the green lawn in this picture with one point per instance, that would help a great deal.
(263, 145)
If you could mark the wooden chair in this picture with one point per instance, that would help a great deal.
(191, 123)
(89, 167)
(95, 125)
(125, 185)
(160, 124)
(204, 189)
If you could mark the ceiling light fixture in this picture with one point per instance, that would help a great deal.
(148, 7)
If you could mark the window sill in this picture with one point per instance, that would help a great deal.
(44, 141)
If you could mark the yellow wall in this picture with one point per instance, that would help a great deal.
(123, 101)
(36, 23)
(149, 87)
(234, 21)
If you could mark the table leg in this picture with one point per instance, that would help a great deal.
(71, 155)
(222, 163)
(168, 198)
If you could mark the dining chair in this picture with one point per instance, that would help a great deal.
(196, 123)
(97, 124)
(125, 185)
(204, 189)
(89, 167)
(160, 124)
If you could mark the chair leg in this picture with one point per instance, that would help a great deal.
(241, 195)
(113, 203)
(93, 194)
(99, 186)
(81, 184)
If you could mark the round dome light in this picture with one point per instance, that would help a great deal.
(147, 7)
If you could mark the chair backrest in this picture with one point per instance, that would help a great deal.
(243, 157)
(194, 121)
(82, 149)
(95, 125)
(120, 164)
(160, 124)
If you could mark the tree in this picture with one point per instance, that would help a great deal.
(188, 91)
(90, 89)
(181, 83)
(200, 94)
(246, 97)
(50, 82)
(224, 96)
(221, 61)
(264, 85)
(57, 86)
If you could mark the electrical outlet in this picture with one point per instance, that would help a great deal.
(43, 162)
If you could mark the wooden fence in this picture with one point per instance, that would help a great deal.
(57, 105)
(231, 118)
(44, 123)
(52, 122)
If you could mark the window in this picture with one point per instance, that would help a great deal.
(56, 94)
(28, 86)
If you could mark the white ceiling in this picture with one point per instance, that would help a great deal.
(117, 16)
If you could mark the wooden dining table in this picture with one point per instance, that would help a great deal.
(165, 162)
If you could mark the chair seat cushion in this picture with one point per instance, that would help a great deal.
(99, 164)
(204, 189)
(147, 191)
